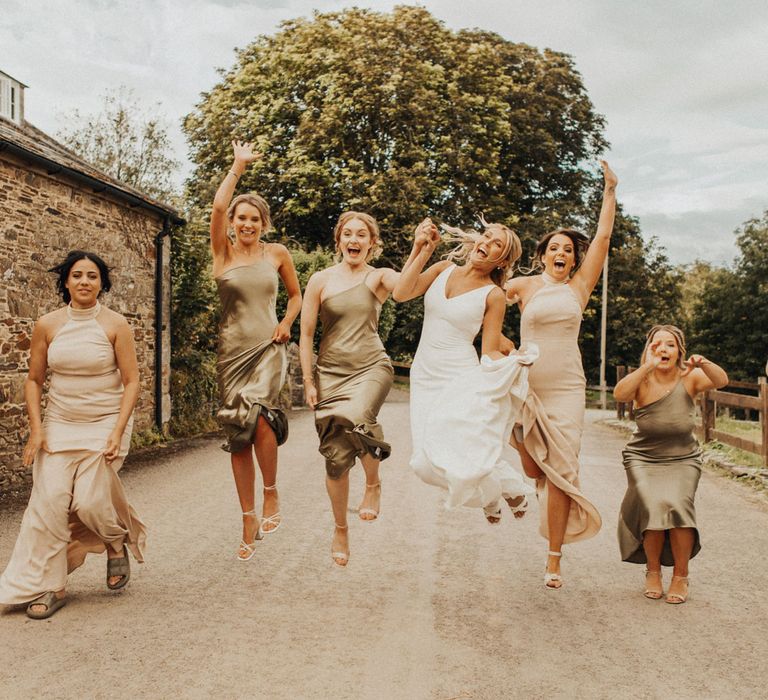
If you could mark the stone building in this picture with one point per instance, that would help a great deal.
(51, 202)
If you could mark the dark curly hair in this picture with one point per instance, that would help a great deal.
(580, 244)
(63, 269)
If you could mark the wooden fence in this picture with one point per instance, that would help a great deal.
(711, 401)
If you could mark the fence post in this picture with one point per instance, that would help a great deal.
(707, 417)
(621, 372)
(631, 406)
(762, 386)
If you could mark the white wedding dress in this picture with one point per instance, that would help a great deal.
(463, 410)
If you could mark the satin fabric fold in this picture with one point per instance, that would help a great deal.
(354, 376)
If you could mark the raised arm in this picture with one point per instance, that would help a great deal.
(309, 310)
(702, 374)
(587, 275)
(495, 306)
(243, 155)
(626, 390)
(413, 281)
(287, 272)
(33, 393)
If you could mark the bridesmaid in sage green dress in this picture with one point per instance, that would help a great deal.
(353, 374)
(251, 354)
(657, 523)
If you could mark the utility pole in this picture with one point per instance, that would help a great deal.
(603, 327)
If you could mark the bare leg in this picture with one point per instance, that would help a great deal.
(245, 474)
(653, 543)
(372, 496)
(265, 447)
(338, 491)
(530, 467)
(558, 508)
(681, 540)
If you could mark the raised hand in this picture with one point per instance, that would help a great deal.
(652, 355)
(694, 362)
(426, 235)
(608, 175)
(244, 152)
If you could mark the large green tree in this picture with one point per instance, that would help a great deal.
(728, 320)
(400, 116)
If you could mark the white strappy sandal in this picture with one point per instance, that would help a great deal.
(493, 513)
(250, 549)
(274, 519)
(340, 558)
(549, 577)
(370, 511)
(521, 507)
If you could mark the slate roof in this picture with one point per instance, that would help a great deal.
(31, 140)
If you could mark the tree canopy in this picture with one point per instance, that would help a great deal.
(728, 317)
(125, 141)
(395, 114)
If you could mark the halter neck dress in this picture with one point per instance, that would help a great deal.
(354, 376)
(552, 418)
(78, 504)
(663, 466)
(463, 409)
(251, 367)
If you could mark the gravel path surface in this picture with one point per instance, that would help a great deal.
(433, 604)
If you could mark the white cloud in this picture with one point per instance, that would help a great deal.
(682, 85)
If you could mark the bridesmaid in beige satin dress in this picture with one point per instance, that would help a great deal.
(551, 306)
(657, 522)
(353, 374)
(77, 504)
(251, 362)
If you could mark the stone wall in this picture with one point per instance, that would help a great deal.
(42, 217)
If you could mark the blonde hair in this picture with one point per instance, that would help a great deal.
(675, 332)
(255, 200)
(466, 241)
(370, 224)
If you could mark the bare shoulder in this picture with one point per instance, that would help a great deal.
(496, 296)
(441, 265)
(52, 319)
(278, 250)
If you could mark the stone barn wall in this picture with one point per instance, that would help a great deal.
(42, 217)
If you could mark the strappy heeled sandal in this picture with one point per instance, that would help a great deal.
(549, 577)
(653, 593)
(119, 566)
(521, 507)
(678, 598)
(274, 519)
(250, 549)
(340, 558)
(493, 513)
(370, 511)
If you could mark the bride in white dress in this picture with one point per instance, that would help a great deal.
(463, 409)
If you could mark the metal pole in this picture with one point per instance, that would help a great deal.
(603, 327)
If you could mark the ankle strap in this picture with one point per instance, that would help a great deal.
(341, 527)
(271, 488)
(373, 486)
(250, 512)
(555, 554)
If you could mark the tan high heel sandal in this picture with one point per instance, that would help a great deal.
(340, 558)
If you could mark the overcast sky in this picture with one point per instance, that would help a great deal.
(682, 85)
